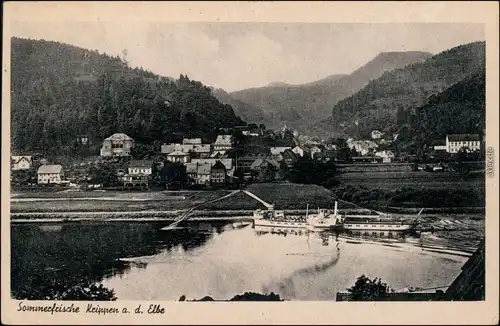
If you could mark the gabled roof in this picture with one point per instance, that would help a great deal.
(223, 140)
(204, 168)
(177, 153)
(19, 158)
(53, 168)
(119, 136)
(228, 162)
(463, 137)
(278, 150)
(191, 141)
(168, 148)
(202, 148)
(218, 154)
(140, 164)
(288, 154)
(303, 148)
(218, 165)
(258, 162)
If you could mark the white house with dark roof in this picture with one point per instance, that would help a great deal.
(223, 143)
(50, 174)
(139, 173)
(458, 141)
(21, 162)
(118, 144)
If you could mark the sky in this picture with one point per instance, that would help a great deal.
(236, 56)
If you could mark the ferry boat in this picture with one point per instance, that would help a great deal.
(273, 218)
(322, 220)
(376, 223)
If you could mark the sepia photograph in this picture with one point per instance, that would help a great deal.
(246, 161)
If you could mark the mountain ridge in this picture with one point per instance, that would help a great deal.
(375, 106)
(303, 105)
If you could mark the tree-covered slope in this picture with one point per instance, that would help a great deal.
(376, 105)
(60, 91)
(459, 109)
(244, 110)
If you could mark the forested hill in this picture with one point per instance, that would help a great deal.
(376, 105)
(60, 91)
(459, 109)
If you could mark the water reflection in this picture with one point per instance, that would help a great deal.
(90, 251)
(142, 262)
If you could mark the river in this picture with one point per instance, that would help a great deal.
(139, 261)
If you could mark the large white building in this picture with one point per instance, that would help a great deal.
(50, 174)
(456, 142)
(118, 144)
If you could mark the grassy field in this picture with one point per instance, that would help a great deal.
(282, 195)
(419, 179)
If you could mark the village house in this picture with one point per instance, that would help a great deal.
(202, 150)
(191, 141)
(191, 172)
(363, 147)
(21, 163)
(454, 143)
(50, 174)
(83, 140)
(301, 151)
(118, 144)
(172, 147)
(387, 156)
(223, 143)
(138, 173)
(199, 173)
(243, 164)
(314, 150)
(376, 134)
(218, 174)
(288, 157)
(274, 151)
(178, 156)
(227, 162)
(265, 169)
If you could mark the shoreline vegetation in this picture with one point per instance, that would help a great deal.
(291, 197)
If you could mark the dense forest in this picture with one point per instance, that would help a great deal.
(376, 105)
(460, 108)
(60, 92)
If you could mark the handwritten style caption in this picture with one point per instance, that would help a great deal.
(91, 308)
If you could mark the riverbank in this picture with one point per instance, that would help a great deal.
(284, 196)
